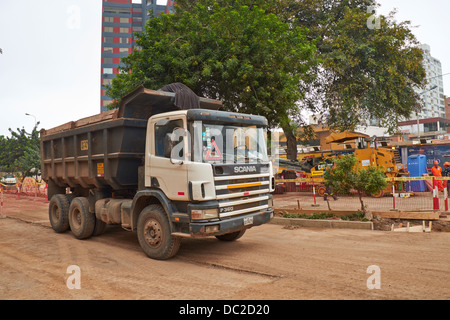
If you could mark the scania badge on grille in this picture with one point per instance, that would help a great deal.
(240, 169)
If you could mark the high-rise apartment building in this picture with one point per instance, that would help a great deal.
(121, 19)
(433, 100)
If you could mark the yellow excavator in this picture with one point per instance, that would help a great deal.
(366, 151)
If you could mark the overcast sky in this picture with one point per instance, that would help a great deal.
(50, 66)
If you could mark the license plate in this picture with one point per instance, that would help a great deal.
(248, 220)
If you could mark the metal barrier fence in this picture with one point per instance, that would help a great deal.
(402, 193)
(29, 189)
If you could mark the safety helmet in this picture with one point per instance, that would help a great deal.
(436, 162)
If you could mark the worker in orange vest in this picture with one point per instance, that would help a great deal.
(437, 172)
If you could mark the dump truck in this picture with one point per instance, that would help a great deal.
(160, 169)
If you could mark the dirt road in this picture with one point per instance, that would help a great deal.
(268, 262)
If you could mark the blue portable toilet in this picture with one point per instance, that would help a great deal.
(417, 166)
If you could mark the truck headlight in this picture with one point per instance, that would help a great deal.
(203, 214)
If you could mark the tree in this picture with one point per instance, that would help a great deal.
(20, 152)
(29, 163)
(365, 72)
(345, 176)
(232, 50)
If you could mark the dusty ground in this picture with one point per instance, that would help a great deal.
(268, 262)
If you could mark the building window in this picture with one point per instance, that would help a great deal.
(124, 30)
(123, 50)
(149, 2)
(108, 70)
(124, 20)
(106, 82)
(116, 10)
(108, 29)
(107, 49)
(108, 39)
(108, 60)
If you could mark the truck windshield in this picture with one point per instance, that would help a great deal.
(229, 143)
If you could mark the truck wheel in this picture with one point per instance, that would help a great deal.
(231, 236)
(81, 221)
(378, 194)
(321, 191)
(154, 233)
(58, 213)
(99, 227)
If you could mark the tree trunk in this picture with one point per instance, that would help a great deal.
(291, 141)
(361, 200)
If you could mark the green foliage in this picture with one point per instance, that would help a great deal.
(235, 51)
(364, 72)
(314, 216)
(279, 57)
(20, 152)
(346, 176)
(357, 216)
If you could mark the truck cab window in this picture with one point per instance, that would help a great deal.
(164, 128)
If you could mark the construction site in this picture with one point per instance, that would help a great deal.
(314, 247)
(277, 261)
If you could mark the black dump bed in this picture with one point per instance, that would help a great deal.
(104, 151)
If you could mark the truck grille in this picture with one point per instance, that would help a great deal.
(242, 194)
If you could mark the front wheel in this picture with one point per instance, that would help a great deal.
(154, 235)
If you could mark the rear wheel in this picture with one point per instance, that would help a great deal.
(321, 191)
(99, 227)
(58, 212)
(81, 221)
(231, 236)
(154, 235)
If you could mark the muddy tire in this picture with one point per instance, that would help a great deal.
(379, 194)
(321, 190)
(58, 213)
(81, 221)
(154, 234)
(231, 236)
(99, 227)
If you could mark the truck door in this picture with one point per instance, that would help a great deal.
(167, 157)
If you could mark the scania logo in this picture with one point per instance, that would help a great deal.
(241, 169)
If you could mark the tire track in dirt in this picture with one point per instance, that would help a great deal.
(37, 268)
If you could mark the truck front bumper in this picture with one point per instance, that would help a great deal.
(229, 225)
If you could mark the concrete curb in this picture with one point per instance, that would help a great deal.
(313, 223)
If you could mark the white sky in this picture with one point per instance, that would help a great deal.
(50, 66)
